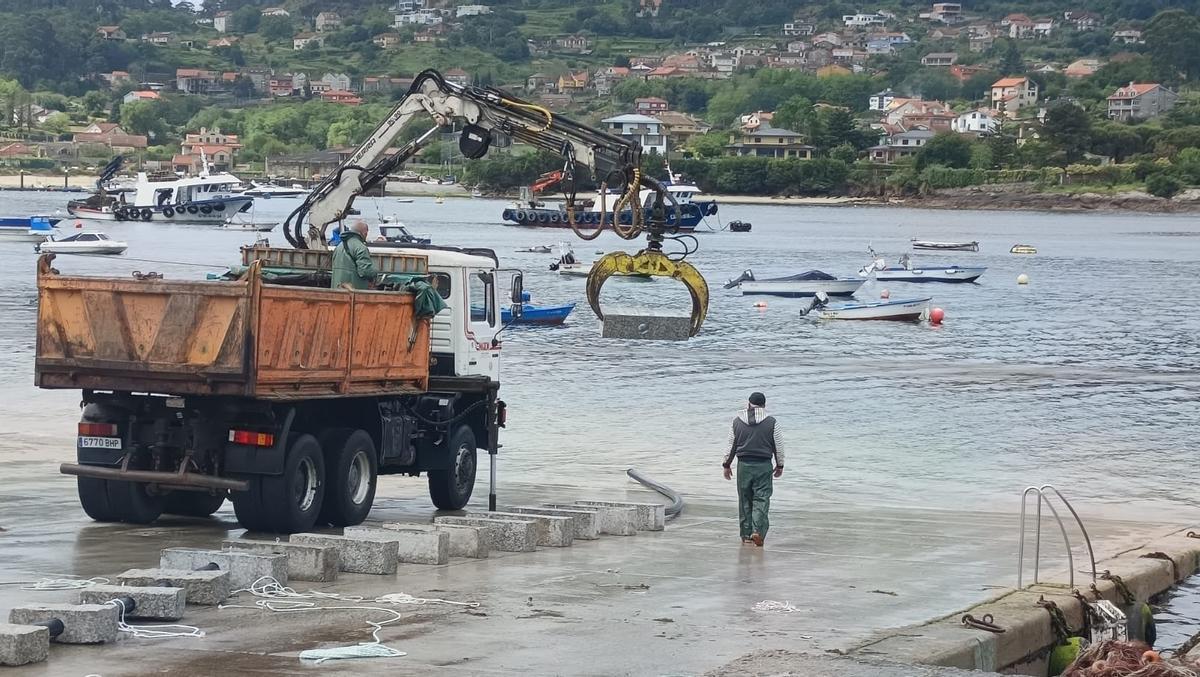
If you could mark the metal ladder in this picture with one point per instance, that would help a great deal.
(1043, 498)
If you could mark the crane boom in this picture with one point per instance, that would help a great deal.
(491, 117)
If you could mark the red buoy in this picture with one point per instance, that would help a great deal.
(936, 316)
(760, 304)
(78, 223)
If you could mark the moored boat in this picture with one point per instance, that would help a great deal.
(81, 243)
(26, 228)
(270, 190)
(207, 198)
(689, 214)
(1022, 249)
(739, 226)
(538, 315)
(907, 272)
(901, 310)
(808, 283)
(972, 246)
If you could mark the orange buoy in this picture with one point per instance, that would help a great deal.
(760, 304)
(936, 316)
(885, 294)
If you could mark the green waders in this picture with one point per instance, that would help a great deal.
(754, 496)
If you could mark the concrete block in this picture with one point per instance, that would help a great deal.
(245, 568)
(304, 562)
(611, 520)
(646, 324)
(202, 587)
(552, 530)
(23, 644)
(650, 516)
(357, 554)
(587, 527)
(82, 623)
(151, 602)
(414, 546)
(465, 541)
(506, 535)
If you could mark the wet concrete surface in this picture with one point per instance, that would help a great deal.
(667, 603)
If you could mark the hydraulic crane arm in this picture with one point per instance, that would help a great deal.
(491, 117)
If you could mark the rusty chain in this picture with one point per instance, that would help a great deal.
(1058, 620)
(1192, 534)
(1164, 556)
(987, 623)
(1127, 597)
(1089, 614)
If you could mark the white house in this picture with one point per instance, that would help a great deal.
(881, 101)
(723, 63)
(471, 10)
(646, 130)
(1012, 94)
(1128, 36)
(420, 17)
(337, 81)
(861, 20)
(798, 28)
(327, 21)
(979, 121)
(302, 40)
(221, 21)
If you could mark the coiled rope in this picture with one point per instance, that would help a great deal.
(153, 631)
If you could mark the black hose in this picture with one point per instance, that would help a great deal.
(672, 511)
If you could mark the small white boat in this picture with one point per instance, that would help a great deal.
(568, 266)
(1023, 249)
(403, 200)
(271, 190)
(803, 284)
(903, 310)
(972, 246)
(27, 229)
(81, 243)
(907, 272)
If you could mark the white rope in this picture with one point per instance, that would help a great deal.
(61, 583)
(772, 606)
(278, 598)
(153, 631)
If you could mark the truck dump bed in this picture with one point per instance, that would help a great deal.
(242, 338)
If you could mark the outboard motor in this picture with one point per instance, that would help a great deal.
(746, 276)
(819, 300)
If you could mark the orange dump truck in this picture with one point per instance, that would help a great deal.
(273, 390)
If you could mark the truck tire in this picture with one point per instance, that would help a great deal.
(93, 496)
(351, 472)
(451, 489)
(290, 502)
(193, 503)
(131, 503)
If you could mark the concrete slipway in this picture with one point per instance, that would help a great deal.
(668, 603)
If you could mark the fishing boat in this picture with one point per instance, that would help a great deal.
(538, 315)
(689, 214)
(907, 272)
(270, 190)
(1022, 249)
(540, 249)
(81, 243)
(945, 246)
(903, 310)
(739, 226)
(808, 283)
(397, 232)
(568, 266)
(210, 197)
(26, 228)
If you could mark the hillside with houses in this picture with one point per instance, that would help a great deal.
(878, 98)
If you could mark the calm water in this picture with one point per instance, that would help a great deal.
(1086, 378)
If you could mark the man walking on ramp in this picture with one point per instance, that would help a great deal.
(755, 440)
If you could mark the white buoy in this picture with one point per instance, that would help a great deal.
(1022, 279)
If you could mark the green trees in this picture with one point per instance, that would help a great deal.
(1173, 42)
(710, 145)
(277, 28)
(1068, 129)
(144, 117)
(946, 149)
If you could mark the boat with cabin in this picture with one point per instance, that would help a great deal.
(809, 283)
(689, 214)
(210, 197)
(26, 228)
(906, 271)
(81, 243)
(270, 190)
(1022, 249)
(532, 314)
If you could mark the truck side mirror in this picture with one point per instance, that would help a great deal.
(518, 295)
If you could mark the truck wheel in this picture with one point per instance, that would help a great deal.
(287, 503)
(451, 489)
(193, 503)
(93, 496)
(130, 502)
(351, 470)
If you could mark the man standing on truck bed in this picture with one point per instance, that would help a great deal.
(352, 262)
(754, 439)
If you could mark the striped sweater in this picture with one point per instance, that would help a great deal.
(752, 417)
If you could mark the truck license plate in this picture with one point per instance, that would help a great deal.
(100, 442)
